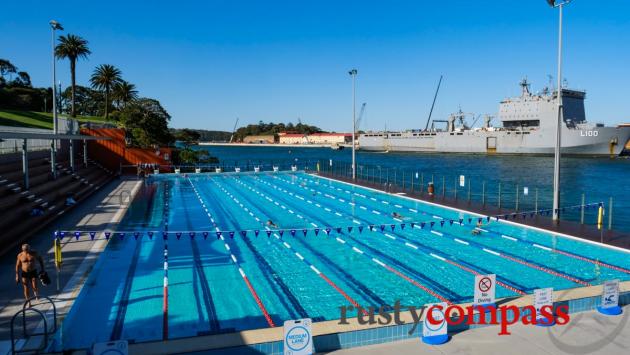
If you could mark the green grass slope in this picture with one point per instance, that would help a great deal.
(32, 119)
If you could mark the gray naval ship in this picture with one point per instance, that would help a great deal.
(528, 127)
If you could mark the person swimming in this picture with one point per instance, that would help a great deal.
(396, 215)
(271, 224)
(476, 231)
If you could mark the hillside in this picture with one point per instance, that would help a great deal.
(33, 119)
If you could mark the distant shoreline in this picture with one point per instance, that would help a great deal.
(267, 145)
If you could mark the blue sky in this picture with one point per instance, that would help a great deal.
(209, 62)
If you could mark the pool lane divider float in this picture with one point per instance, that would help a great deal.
(471, 219)
(253, 292)
(304, 260)
(514, 215)
(432, 253)
(490, 251)
(445, 258)
(357, 285)
(391, 269)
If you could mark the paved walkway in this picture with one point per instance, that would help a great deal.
(101, 211)
(587, 333)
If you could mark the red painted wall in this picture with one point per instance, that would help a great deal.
(113, 153)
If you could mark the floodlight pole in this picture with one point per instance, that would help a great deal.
(353, 73)
(54, 25)
(557, 153)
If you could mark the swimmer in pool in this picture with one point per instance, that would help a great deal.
(396, 215)
(271, 224)
(477, 231)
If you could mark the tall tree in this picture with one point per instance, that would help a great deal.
(104, 77)
(72, 47)
(123, 93)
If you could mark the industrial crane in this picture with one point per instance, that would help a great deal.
(233, 130)
(360, 116)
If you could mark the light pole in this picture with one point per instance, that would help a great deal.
(556, 164)
(353, 73)
(54, 25)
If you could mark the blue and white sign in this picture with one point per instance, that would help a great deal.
(435, 334)
(485, 289)
(119, 347)
(610, 298)
(542, 297)
(462, 180)
(298, 339)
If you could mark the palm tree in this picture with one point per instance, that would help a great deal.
(123, 93)
(72, 47)
(104, 77)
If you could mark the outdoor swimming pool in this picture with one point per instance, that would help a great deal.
(335, 245)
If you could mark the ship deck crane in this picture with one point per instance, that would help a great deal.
(360, 116)
(433, 104)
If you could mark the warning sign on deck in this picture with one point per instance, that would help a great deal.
(484, 289)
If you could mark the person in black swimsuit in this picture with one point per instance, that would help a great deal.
(26, 270)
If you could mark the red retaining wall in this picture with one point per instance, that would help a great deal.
(113, 153)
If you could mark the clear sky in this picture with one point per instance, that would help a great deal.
(209, 62)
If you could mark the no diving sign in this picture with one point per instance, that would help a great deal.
(485, 289)
(298, 338)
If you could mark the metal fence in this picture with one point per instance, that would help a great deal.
(513, 197)
(7, 146)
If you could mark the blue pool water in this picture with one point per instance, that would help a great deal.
(225, 284)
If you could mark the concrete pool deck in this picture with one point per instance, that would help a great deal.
(108, 209)
(101, 211)
(587, 332)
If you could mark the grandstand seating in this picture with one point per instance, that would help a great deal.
(45, 194)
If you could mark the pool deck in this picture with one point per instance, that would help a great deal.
(583, 231)
(587, 332)
(106, 208)
(103, 210)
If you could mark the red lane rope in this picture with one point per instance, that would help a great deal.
(345, 295)
(596, 262)
(415, 283)
(570, 278)
(514, 289)
(259, 302)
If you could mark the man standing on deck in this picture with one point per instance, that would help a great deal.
(26, 264)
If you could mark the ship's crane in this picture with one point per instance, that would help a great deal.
(360, 116)
(433, 104)
(233, 130)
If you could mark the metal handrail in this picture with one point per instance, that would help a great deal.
(45, 334)
(54, 308)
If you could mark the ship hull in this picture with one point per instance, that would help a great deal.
(599, 141)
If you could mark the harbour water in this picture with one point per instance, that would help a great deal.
(598, 179)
